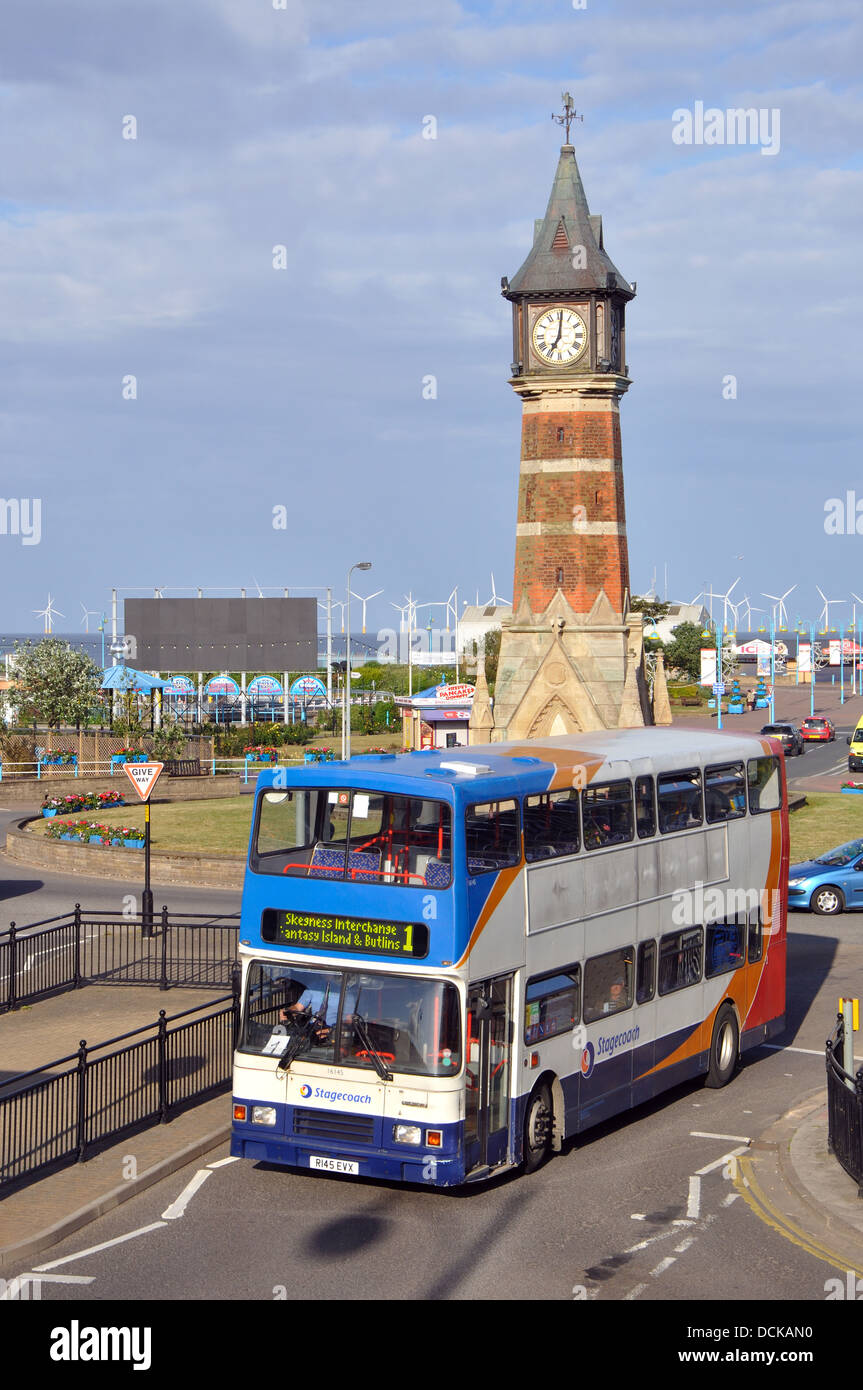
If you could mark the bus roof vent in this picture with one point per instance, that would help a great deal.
(527, 761)
(465, 769)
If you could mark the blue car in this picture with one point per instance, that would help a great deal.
(829, 884)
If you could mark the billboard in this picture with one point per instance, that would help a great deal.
(223, 634)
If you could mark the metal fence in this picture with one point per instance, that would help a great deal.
(844, 1109)
(86, 947)
(67, 1109)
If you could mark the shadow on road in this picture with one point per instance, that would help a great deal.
(19, 887)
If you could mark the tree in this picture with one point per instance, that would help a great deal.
(650, 607)
(683, 652)
(53, 685)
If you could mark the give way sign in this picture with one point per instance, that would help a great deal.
(143, 777)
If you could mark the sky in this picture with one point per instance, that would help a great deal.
(230, 260)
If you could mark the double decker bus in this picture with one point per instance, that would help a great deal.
(454, 960)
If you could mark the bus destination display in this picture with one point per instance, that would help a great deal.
(364, 935)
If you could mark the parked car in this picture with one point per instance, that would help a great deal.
(788, 736)
(829, 884)
(818, 730)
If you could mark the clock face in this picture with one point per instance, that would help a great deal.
(559, 336)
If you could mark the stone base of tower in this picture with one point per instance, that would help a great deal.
(563, 673)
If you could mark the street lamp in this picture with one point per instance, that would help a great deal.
(346, 719)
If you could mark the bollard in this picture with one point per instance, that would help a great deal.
(849, 1009)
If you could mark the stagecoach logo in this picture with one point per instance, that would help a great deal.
(587, 1061)
(305, 1092)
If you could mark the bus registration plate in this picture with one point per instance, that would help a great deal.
(335, 1165)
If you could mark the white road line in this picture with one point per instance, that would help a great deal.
(804, 1051)
(662, 1266)
(732, 1197)
(94, 1249)
(220, 1162)
(178, 1208)
(693, 1206)
(633, 1293)
(684, 1245)
(13, 1290)
(651, 1240)
(733, 1138)
(719, 1162)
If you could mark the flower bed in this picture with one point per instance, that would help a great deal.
(95, 833)
(60, 756)
(80, 801)
(258, 753)
(851, 787)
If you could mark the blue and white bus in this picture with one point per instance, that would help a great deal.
(452, 960)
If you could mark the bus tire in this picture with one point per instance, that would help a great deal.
(827, 900)
(724, 1048)
(538, 1128)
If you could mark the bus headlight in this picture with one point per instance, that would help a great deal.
(407, 1134)
(263, 1115)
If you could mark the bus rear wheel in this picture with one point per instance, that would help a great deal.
(724, 1048)
(538, 1126)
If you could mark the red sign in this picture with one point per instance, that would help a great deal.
(455, 692)
(143, 777)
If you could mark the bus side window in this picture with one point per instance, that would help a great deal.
(756, 935)
(551, 1004)
(608, 984)
(551, 825)
(645, 808)
(492, 836)
(645, 979)
(724, 792)
(680, 955)
(608, 814)
(764, 785)
(726, 949)
(679, 798)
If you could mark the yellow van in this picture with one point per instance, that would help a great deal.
(855, 749)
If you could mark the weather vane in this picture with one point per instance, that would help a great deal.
(569, 114)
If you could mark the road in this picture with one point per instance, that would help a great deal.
(642, 1210)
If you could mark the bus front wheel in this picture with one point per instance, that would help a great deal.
(538, 1126)
(724, 1048)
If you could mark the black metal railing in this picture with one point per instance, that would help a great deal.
(844, 1109)
(87, 947)
(68, 1109)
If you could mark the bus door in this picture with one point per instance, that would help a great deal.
(488, 1070)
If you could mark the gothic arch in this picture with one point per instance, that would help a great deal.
(555, 717)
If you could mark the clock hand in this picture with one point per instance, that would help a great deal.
(559, 330)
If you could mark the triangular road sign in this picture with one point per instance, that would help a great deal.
(143, 777)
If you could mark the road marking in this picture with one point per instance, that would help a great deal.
(94, 1249)
(15, 1287)
(719, 1162)
(757, 1201)
(732, 1197)
(693, 1206)
(662, 1266)
(220, 1162)
(684, 1245)
(805, 1051)
(734, 1138)
(178, 1208)
(633, 1293)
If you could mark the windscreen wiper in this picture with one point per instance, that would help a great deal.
(300, 1042)
(365, 1037)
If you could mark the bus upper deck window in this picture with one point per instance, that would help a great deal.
(765, 788)
(678, 796)
(607, 812)
(551, 825)
(492, 836)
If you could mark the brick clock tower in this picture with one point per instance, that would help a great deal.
(571, 656)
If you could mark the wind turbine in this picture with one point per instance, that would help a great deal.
(366, 600)
(88, 614)
(825, 611)
(496, 599)
(780, 602)
(726, 604)
(49, 613)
